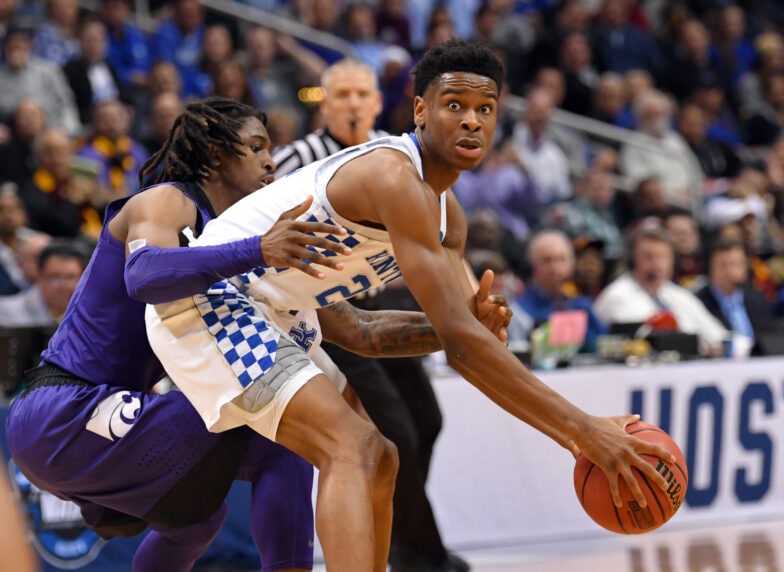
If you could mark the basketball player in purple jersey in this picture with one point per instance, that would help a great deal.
(89, 429)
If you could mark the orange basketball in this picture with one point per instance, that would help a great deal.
(593, 490)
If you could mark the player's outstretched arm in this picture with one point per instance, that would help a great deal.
(438, 282)
(158, 269)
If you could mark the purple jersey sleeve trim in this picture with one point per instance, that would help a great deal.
(156, 275)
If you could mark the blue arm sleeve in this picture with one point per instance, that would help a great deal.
(155, 275)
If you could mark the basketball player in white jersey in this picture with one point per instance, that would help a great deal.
(238, 351)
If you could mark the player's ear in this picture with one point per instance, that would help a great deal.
(420, 111)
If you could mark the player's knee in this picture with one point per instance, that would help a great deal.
(369, 450)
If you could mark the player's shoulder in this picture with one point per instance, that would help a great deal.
(166, 196)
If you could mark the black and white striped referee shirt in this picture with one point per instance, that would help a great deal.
(313, 147)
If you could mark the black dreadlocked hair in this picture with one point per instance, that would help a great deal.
(457, 56)
(187, 156)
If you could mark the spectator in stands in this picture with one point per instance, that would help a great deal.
(514, 36)
(56, 38)
(732, 48)
(230, 81)
(729, 296)
(551, 258)
(689, 59)
(570, 17)
(620, 45)
(165, 109)
(501, 185)
(770, 61)
(580, 74)
(647, 201)
(118, 155)
(18, 155)
(218, 50)
(163, 78)
(486, 232)
(572, 142)
(60, 266)
(670, 159)
(30, 247)
(359, 28)
(58, 201)
(611, 102)
(722, 123)
(588, 214)
(322, 16)
(590, 267)
(689, 265)
(128, 53)
(392, 24)
(22, 76)
(764, 125)
(90, 76)
(180, 40)
(277, 66)
(647, 290)
(544, 162)
(637, 82)
(717, 159)
(13, 231)
(485, 21)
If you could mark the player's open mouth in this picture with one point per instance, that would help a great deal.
(268, 180)
(469, 147)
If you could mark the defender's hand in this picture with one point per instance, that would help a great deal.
(292, 244)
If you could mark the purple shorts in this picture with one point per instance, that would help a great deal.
(150, 456)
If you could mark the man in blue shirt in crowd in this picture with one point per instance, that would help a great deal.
(551, 258)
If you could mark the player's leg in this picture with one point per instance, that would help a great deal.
(357, 468)
(177, 549)
(281, 514)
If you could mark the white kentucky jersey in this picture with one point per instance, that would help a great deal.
(372, 261)
(228, 339)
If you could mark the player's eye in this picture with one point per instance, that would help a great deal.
(453, 106)
(486, 109)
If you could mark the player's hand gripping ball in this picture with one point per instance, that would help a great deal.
(593, 490)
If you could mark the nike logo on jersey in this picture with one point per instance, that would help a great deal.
(114, 416)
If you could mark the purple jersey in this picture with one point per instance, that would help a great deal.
(101, 303)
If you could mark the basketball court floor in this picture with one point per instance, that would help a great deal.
(740, 546)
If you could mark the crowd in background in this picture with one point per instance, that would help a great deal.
(567, 219)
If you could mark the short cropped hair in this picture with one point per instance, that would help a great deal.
(457, 56)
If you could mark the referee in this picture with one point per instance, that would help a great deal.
(396, 393)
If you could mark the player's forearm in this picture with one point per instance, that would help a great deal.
(157, 275)
(484, 361)
(383, 333)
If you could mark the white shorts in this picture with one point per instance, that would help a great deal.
(233, 362)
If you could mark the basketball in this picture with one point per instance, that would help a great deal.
(593, 490)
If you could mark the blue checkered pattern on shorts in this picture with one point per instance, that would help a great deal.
(244, 338)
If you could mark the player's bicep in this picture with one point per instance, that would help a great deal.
(430, 273)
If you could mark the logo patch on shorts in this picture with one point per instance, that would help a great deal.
(303, 335)
(115, 416)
